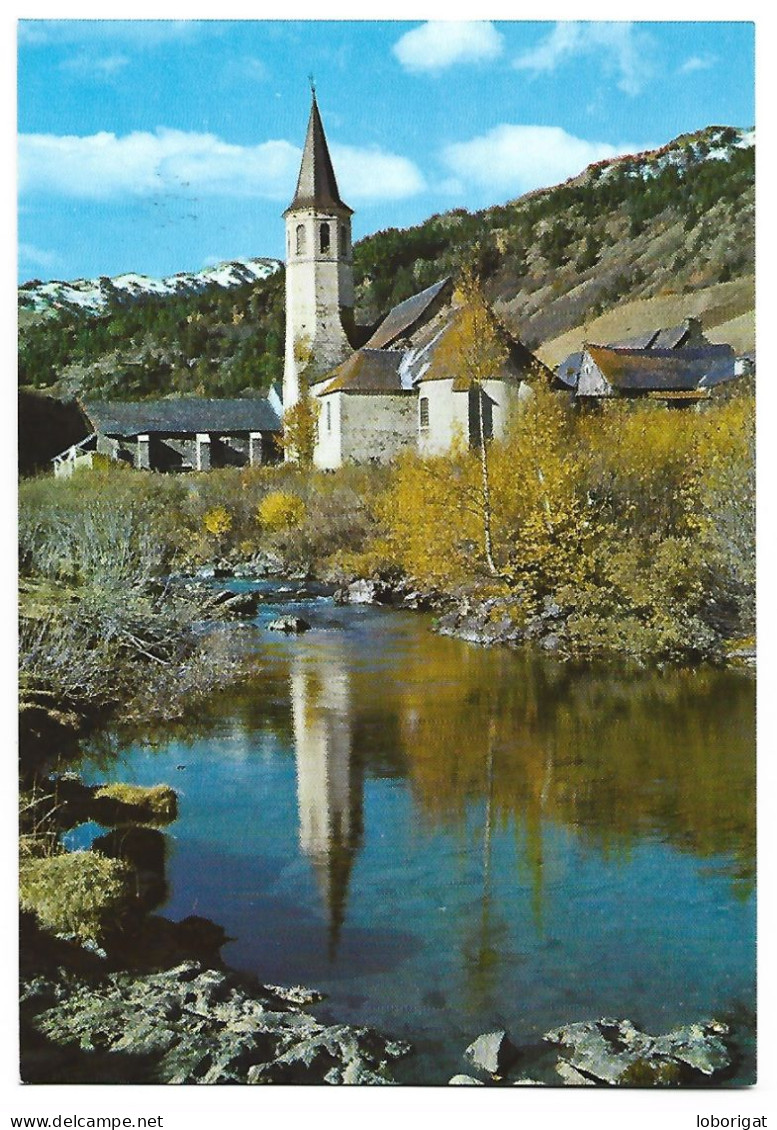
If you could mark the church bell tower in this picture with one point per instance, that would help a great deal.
(319, 268)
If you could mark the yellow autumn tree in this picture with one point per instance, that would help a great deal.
(298, 438)
(474, 350)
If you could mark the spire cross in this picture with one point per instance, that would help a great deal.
(312, 82)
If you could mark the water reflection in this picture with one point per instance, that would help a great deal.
(329, 782)
(480, 827)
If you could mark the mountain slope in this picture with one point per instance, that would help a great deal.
(95, 295)
(641, 240)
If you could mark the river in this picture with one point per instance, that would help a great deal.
(446, 839)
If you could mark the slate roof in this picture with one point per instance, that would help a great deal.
(519, 364)
(182, 417)
(655, 370)
(317, 184)
(569, 370)
(367, 370)
(673, 337)
(400, 321)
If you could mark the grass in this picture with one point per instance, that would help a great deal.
(731, 304)
(77, 894)
(157, 804)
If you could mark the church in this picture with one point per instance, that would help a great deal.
(395, 391)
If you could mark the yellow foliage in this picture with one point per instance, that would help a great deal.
(217, 521)
(281, 510)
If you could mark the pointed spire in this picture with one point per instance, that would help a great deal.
(316, 185)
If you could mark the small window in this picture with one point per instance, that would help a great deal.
(301, 241)
(328, 416)
(325, 238)
(423, 412)
(343, 239)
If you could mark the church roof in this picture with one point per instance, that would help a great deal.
(367, 370)
(433, 364)
(182, 416)
(403, 318)
(317, 184)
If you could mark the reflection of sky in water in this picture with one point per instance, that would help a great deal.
(445, 839)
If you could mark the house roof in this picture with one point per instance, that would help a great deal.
(182, 416)
(652, 370)
(367, 370)
(316, 184)
(569, 370)
(672, 337)
(401, 320)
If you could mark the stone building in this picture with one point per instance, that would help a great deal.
(319, 267)
(393, 393)
(186, 434)
(677, 364)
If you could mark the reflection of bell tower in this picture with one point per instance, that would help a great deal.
(329, 787)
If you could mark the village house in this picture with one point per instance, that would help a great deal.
(678, 365)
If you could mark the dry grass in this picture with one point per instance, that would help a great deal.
(730, 305)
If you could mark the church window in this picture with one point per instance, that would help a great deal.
(301, 239)
(343, 239)
(328, 416)
(325, 237)
(423, 412)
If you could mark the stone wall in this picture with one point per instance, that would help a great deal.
(364, 427)
(319, 296)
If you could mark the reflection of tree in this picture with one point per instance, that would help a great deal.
(612, 755)
(329, 784)
(484, 951)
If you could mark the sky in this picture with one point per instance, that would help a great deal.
(165, 146)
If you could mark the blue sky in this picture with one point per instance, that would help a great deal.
(166, 146)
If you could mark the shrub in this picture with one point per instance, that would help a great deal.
(217, 521)
(281, 510)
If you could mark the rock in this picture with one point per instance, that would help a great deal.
(465, 1081)
(571, 1076)
(698, 1045)
(526, 1082)
(492, 1052)
(365, 592)
(615, 1052)
(291, 625)
(597, 1048)
(551, 642)
(294, 994)
(240, 604)
(191, 1024)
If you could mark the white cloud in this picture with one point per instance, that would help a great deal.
(31, 256)
(90, 66)
(104, 166)
(623, 49)
(518, 158)
(371, 174)
(139, 33)
(697, 63)
(441, 43)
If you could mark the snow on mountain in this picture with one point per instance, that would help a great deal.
(92, 295)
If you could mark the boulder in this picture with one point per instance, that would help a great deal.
(365, 592)
(291, 625)
(465, 1081)
(492, 1052)
(240, 604)
(616, 1052)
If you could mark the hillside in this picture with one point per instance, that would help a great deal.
(637, 241)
